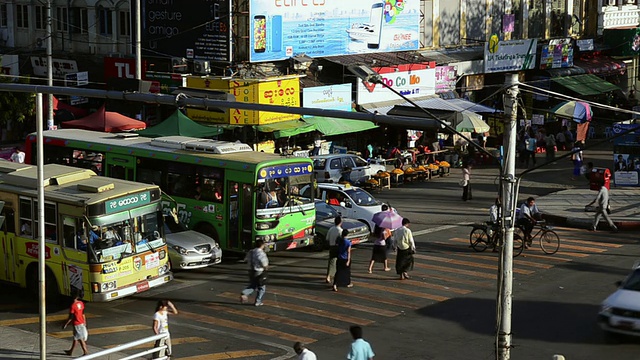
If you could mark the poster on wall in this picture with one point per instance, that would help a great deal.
(558, 54)
(201, 30)
(282, 29)
(626, 155)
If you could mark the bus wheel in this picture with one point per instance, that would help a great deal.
(52, 292)
(31, 276)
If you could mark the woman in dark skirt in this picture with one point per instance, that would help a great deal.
(383, 238)
(343, 265)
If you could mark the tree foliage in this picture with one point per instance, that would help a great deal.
(15, 106)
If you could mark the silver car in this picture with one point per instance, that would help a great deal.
(331, 168)
(189, 249)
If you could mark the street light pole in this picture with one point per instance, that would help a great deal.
(49, 65)
(505, 276)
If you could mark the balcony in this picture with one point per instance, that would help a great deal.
(620, 16)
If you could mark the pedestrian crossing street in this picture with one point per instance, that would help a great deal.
(299, 305)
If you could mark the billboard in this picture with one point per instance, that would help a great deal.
(510, 55)
(626, 155)
(279, 91)
(199, 30)
(331, 97)
(281, 29)
(412, 81)
(558, 54)
(446, 78)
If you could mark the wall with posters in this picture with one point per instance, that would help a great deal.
(281, 29)
(557, 54)
(333, 97)
(626, 155)
(278, 91)
(412, 80)
(200, 30)
(446, 78)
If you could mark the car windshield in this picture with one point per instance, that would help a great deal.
(324, 211)
(319, 163)
(632, 282)
(283, 192)
(361, 197)
(171, 226)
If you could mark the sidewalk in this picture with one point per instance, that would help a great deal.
(566, 208)
(20, 344)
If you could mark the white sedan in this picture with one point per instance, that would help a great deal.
(620, 312)
(189, 249)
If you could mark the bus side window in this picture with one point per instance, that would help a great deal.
(25, 217)
(69, 231)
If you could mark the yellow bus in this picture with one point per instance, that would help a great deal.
(104, 237)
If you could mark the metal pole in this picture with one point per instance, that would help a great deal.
(49, 66)
(503, 319)
(138, 35)
(42, 299)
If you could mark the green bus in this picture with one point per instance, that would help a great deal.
(221, 189)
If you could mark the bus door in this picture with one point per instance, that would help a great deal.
(240, 216)
(120, 166)
(8, 257)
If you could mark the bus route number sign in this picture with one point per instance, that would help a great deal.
(279, 171)
(128, 202)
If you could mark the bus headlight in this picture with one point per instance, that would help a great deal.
(163, 269)
(179, 249)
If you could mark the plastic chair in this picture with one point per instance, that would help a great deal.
(608, 132)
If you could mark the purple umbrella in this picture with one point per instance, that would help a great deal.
(387, 219)
(578, 111)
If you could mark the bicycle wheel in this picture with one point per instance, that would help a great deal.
(478, 239)
(518, 245)
(549, 242)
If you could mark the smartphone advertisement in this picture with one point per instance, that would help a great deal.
(332, 27)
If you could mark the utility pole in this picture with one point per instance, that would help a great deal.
(138, 37)
(49, 66)
(505, 287)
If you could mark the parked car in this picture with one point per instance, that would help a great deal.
(348, 201)
(620, 311)
(189, 249)
(331, 168)
(325, 215)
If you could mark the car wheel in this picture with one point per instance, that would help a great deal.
(612, 338)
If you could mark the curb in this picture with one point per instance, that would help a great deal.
(582, 223)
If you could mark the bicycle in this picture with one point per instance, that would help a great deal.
(488, 234)
(549, 239)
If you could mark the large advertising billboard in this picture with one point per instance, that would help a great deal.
(331, 97)
(412, 81)
(199, 30)
(280, 29)
(509, 55)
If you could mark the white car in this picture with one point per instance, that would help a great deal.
(189, 249)
(620, 312)
(331, 168)
(349, 201)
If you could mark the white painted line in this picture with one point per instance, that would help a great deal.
(440, 228)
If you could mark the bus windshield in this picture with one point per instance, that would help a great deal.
(113, 240)
(282, 192)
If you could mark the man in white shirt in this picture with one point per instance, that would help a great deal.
(303, 352)
(528, 217)
(332, 235)
(17, 156)
(602, 201)
(258, 266)
(406, 247)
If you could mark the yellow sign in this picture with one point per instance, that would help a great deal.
(285, 92)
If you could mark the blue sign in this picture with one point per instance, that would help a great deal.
(281, 29)
(127, 202)
(280, 171)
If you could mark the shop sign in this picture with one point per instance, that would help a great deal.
(280, 29)
(446, 78)
(121, 68)
(279, 171)
(78, 79)
(510, 55)
(332, 97)
(282, 91)
(201, 30)
(558, 54)
(61, 67)
(164, 83)
(585, 44)
(412, 81)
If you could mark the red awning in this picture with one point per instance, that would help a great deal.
(106, 121)
(600, 65)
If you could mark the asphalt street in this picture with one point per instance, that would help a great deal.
(445, 311)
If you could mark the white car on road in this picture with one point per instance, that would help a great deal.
(331, 168)
(620, 312)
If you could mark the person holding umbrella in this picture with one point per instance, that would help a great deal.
(385, 220)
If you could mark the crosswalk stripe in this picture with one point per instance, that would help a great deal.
(344, 304)
(481, 274)
(400, 291)
(243, 327)
(276, 318)
(528, 253)
(174, 342)
(283, 305)
(104, 330)
(377, 299)
(495, 258)
(228, 355)
(35, 320)
(469, 263)
(424, 285)
(482, 284)
(589, 242)
(564, 245)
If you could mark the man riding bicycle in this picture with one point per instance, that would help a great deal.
(528, 217)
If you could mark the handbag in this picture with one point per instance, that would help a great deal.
(463, 182)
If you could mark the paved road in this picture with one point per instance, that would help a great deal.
(446, 308)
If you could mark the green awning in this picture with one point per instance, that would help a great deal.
(587, 84)
(335, 126)
(179, 124)
(286, 128)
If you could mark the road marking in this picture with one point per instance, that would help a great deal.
(439, 228)
(344, 304)
(103, 330)
(378, 299)
(580, 248)
(470, 264)
(402, 291)
(174, 285)
(174, 341)
(35, 320)
(424, 285)
(243, 327)
(489, 256)
(456, 270)
(460, 281)
(276, 318)
(227, 355)
(587, 242)
(283, 305)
